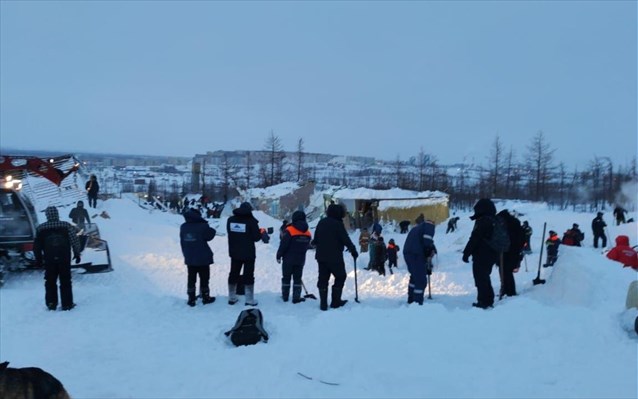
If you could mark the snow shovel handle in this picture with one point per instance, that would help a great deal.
(356, 288)
(540, 258)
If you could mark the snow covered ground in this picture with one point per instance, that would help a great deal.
(133, 336)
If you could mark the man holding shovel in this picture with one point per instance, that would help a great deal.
(295, 241)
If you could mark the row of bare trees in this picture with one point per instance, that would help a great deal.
(534, 175)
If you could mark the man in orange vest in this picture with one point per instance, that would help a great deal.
(294, 243)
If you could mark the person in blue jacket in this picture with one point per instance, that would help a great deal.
(294, 244)
(418, 251)
(194, 235)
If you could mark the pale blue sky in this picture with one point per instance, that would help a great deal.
(359, 78)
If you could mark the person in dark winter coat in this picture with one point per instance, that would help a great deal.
(392, 252)
(527, 231)
(243, 232)
(330, 239)
(619, 214)
(79, 215)
(282, 229)
(552, 244)
(451, 224)
(92, 189)
(573, 236)
(418, 251)
(483, 256)
(598, 227)
(53, 244)
(380, 256)
(194, 235)
(293, 246)
(404, 225)
(512, 258)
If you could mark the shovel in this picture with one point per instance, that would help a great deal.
(538, 279)
(310, 296)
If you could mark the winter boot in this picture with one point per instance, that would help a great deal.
(250, 292)
(323, 299)
(206, 298)
(232, 294)
(410, 293)
(285, 292)
(337, 302)
(296, 294)
(191, 300)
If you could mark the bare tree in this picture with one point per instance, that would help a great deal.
(539, 163)
(300, 158)
(495, 161)
(509, 171)
(275, 154)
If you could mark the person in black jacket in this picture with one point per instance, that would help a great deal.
(483, 257)
(79, 215)
(512, 258)
(194, 235)
(598, 227)
(92, 189)
(619, 213)
(294, 243)
(53, 244)
(243, 232)
(392, 252)
(330, 239)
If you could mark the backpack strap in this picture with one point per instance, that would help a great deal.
(240, 320)
(260, 322)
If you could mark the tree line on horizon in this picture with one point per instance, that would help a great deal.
(534, 175)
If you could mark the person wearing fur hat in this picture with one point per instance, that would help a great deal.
(483, 256)
(243, 232)
(598, 228)
(293, 246)
(330, 239)
(194, 235)
(53, 244)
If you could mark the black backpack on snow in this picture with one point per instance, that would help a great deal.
(248, 329)
(500, 239)
(57, 246)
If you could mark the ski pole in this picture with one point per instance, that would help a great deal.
(538, 279)
(356, 289)
(525, 259)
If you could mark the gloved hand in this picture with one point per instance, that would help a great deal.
(521, 256)
(278, 260)
(466, 258)
(265, 238)
(355, 255)
(77, 259)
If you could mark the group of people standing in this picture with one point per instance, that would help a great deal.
(243, 232)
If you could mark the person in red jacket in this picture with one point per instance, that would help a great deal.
(623, 253)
